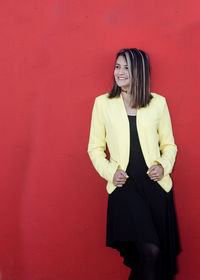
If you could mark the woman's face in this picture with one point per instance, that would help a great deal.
(121, 73)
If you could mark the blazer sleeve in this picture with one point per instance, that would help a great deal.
(97, 144)
(168, 149)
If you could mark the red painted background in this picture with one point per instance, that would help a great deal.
(55, 57)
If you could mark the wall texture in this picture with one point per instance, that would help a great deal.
(56, 56)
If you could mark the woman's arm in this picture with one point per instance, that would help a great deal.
(168, 148)
(97, 144)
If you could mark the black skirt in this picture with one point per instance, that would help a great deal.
(142, 211)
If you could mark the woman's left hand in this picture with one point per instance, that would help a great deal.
(156, 172)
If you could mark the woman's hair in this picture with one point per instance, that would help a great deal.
(139, 73)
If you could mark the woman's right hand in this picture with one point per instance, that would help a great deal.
(119, 178)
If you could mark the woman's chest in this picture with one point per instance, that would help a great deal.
(116, 117)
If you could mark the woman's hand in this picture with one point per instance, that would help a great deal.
(156, 172)
(119, 178)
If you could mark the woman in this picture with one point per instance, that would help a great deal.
(135, 126)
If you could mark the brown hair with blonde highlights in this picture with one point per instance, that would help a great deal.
(139, 72)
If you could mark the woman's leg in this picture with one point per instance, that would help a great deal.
(148, 262)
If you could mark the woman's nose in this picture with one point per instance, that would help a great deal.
(121, 71)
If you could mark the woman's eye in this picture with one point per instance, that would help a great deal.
(116, 66)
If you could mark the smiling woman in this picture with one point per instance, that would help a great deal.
(135, 125)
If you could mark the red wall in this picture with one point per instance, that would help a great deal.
(55, 57)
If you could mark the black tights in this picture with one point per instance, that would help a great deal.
(147, 268)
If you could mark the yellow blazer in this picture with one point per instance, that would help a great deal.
(110, 126)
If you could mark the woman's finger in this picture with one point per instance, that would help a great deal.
(121, 175)
(155, 177)
(121, 183)
(154, 172)
(121, 179)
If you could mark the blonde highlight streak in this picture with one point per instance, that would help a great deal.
(143, 70)
(135, 80)
(129, 69)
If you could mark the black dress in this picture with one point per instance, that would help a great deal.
(143, 211)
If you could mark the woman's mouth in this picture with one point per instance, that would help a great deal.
(121, 78)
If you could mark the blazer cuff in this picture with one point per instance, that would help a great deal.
(110, 172)
(163, 163)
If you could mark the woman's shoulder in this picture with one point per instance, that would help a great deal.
(103, 99)
(158, 97)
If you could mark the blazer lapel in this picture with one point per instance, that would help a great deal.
(124, 132)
